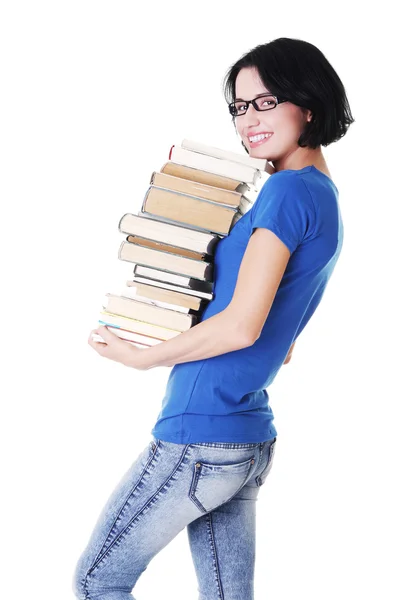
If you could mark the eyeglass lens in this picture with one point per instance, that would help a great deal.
(263, 103)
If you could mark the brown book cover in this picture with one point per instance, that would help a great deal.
(194, 188)
(196, 212)
(135, 239)
(225, 183)
(166, 261)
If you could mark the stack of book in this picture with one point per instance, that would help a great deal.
(191, 204)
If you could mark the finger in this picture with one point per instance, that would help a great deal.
(106, 334)
(94, 342)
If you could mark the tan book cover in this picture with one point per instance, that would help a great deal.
(225, 183)
(188, 209)
(134, 309)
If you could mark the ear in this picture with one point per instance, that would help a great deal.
(309, 116)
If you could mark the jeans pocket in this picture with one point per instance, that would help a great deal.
(261, 477)
(214, 484)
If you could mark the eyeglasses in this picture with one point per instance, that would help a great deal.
(264, 102)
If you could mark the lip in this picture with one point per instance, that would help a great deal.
(260, 142)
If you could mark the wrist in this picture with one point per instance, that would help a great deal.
(137, 358)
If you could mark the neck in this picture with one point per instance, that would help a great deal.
(300, 158)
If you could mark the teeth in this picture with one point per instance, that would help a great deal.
(261, 136)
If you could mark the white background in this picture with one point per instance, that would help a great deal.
(93, 96)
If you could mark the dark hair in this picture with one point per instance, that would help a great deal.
(297, 71)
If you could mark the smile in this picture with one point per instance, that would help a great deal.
(261, 138)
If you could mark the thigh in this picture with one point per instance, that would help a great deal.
(223, 541)
(167, 487)
(222, 544)
(144, 512)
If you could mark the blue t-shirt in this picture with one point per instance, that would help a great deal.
(224, 398)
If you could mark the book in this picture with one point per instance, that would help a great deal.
(175, 235)
(128, 307)
(135, 342)
(163, 296)
(159, 303)
(257, 163)
(218, 166)
(169, 286)
(136, 326)
(180, 280)
(196, 212)
(201, 176)
(161, 279)
(194, 188)
(167, 248)
(166, 261)
(192, 202)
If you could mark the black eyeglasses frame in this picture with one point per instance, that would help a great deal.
(231, 106)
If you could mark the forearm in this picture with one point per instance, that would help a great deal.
(217, 335)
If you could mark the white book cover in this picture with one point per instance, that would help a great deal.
(218, 166)
(157, 230)
(257, 163)
(97, 338)
(175, 288)
(131, 292)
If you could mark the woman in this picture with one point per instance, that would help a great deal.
(213, 443)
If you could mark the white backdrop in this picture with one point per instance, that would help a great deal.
(93, 96)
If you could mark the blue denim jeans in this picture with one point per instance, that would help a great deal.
(209, 487)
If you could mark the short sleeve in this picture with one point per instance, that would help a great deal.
(284, 205)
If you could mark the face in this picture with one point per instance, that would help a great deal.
(285, 122)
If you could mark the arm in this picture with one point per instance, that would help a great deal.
(241, 322)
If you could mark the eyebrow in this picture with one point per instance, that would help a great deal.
(258, 96)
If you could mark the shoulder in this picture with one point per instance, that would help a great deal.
(286, 180)
(285, 190)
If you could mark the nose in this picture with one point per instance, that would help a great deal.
(251, 117)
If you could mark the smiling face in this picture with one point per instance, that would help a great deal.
(285, 122)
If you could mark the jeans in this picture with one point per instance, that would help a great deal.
(209, 487)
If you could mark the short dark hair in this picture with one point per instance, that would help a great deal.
(297, 71)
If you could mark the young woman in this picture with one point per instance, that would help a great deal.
(213, 444)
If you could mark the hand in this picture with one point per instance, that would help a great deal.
(115, 348)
